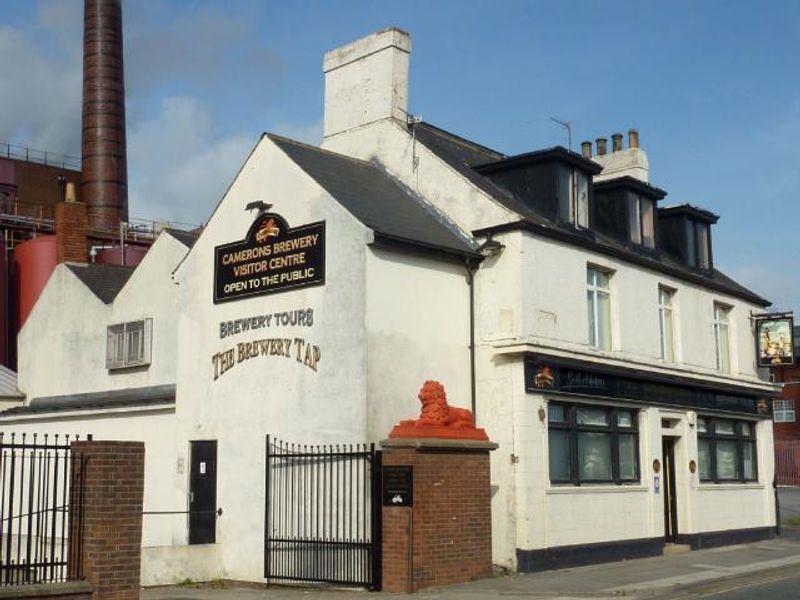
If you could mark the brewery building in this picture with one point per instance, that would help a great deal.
(558, 295)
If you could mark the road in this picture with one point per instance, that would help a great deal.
(783, 584)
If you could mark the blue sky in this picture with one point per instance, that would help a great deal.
(712, 88)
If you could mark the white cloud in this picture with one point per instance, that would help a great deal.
(178, 166)
(40, 97)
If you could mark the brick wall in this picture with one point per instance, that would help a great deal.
(449, 525)
(111, 477)
(72, 226)
(38, 188)
(790, 377)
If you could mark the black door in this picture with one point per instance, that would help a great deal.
(203, 493)
(670, 500)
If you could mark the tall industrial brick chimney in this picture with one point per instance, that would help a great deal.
(104, 187)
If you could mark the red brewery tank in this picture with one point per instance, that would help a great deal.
(34, 261)
(110, 256)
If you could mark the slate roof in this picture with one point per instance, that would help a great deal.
(187, 238)
(105, 281)
(8, 384)
(129, 397)
(464, 156)
(379, 201)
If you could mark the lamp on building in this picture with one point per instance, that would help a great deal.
(260, 205)
(490, 248)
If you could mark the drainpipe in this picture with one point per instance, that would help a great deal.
(472, 267)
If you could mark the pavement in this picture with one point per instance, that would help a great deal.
(688, 575)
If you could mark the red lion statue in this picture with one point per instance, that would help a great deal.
(438, 419)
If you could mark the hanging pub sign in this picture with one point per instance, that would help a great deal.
(272, 257)
(775, 339)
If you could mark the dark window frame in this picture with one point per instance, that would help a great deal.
(572, 427)
(741, 440)
(567, 200)
(639, 200)
(694, 248)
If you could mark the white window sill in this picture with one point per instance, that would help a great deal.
(706, 487)
(594, 488)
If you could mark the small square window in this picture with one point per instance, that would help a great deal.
(783, 411)
(592, 416)
(625, 418)
(724, 428)
(129, 344)
(556, 413)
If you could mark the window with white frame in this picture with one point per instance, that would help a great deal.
(573, 196)
(129, 344)
(598, 300)
(722, 337)
(783, 411)
(665, 326)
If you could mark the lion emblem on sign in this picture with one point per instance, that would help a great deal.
(269, 229)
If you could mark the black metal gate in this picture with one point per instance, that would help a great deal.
(41, 530)
(323, 514)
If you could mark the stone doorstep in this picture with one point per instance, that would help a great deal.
(670, 549)
(38, 590)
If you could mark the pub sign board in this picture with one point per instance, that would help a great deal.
(543, 375)
(775, 335)
(272, 257)
(398, 485)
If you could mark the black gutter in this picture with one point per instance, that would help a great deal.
(414, 246)
(585, 242)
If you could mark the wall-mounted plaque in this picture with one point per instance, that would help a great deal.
(398, 486)
(272, 257)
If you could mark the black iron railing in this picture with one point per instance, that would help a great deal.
(323, 515)
(54, 159)
(39, 514)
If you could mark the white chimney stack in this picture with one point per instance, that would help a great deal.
(367, 81)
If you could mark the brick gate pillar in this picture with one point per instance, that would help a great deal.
(106, 505)
(438, 529)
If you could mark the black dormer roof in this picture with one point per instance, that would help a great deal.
(631, 183)
(693, 212)
(557, 153)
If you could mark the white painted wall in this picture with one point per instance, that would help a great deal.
(270, 395)
(62, 346)
(417, 328)
(549, 311)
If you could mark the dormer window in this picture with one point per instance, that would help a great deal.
(685, 233)
(697, 244)
(573, 196)
(556, 183)
(625, 209)
(640, 220)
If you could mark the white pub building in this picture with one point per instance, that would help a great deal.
(550, 292)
